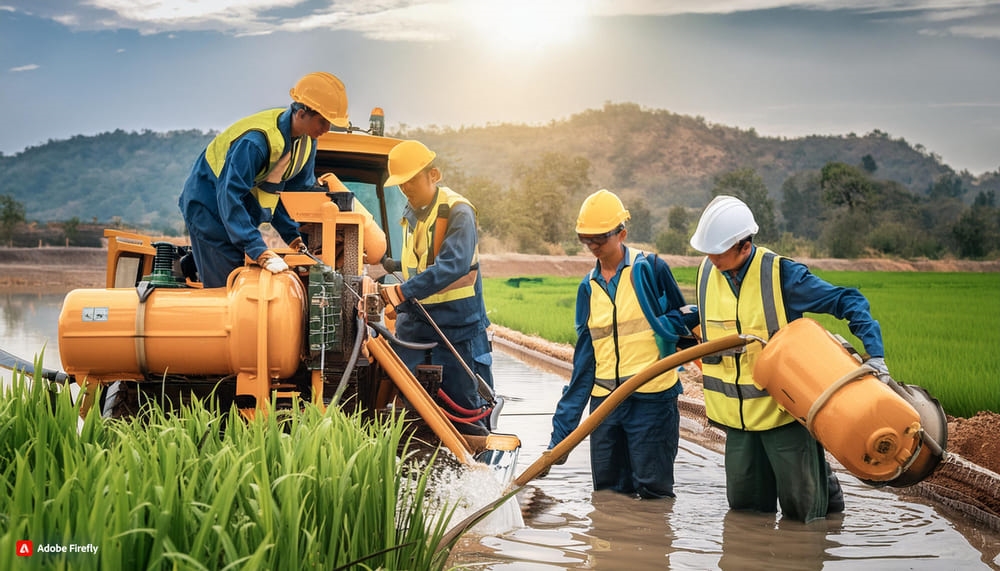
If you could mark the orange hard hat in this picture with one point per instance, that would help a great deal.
(324, 93)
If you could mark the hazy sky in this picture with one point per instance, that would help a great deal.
(924, 70)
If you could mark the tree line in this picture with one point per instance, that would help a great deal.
(838, 211)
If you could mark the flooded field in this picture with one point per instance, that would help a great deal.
(569, 526)
(563, 524)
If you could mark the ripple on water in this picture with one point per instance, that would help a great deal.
(569, 526)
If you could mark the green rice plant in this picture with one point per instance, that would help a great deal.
(201, 490)
(941, 330)
(544, 306)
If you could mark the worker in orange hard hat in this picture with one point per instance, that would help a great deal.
(771, 459)
(629, 314)
(439, 264)
(235, 183)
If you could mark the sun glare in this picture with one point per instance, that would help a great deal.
(525, 25)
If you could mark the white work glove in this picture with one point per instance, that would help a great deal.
(878, 363)
(272, 262)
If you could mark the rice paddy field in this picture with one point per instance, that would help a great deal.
(941, 330)
(203, 490)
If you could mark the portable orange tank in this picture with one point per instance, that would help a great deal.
(110, 334)
(867, 426)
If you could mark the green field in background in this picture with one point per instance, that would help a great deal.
(941, 330)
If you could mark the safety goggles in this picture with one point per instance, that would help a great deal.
(599, 239)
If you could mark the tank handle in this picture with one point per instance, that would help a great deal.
(822, 399)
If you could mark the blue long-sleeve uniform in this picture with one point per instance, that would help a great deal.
(577, 393)
(459, 319)
(463, 321)
(221, 214)
(804, 292)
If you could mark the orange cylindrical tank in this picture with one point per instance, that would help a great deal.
(110, 334)
(862, 422)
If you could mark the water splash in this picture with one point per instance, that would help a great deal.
(467, 489)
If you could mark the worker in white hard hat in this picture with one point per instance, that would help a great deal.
(771, 459)
(235, 183)
(629, 314)
(439, 265)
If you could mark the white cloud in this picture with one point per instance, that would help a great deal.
(29, 67)
(432, 20)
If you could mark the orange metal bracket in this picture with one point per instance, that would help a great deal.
(416, 395)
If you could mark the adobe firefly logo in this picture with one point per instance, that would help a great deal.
(25, 548)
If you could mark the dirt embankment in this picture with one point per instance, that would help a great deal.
(51, 269)
(66, 268)
(512, 265)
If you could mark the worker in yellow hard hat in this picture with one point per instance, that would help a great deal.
(235, 183)
(770, 458)
(439, 265)
(629, 314)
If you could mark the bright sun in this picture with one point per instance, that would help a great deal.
(525, 25)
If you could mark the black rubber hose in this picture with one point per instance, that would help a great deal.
(355, 351)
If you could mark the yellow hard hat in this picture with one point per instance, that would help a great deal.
(406, 160)
(601, 212)
(324, 93)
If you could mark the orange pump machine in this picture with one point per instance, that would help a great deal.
(314, 333)
(883, 432)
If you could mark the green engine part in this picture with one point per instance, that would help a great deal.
(326, 286)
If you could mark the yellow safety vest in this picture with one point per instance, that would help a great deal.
(280, 166)
(420, 248)
(731, 397)
(622, 337)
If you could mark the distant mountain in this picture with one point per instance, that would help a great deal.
(666, 158)
(118, 176)
(672, 159)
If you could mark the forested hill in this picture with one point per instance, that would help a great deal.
(654, 156)
(128, 177)
(672, 159)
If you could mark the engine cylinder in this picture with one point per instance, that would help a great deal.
(111, 334)
(870, 429)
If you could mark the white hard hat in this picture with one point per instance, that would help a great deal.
(725, 221)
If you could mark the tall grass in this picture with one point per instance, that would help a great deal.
(200, 490)
(941, 330)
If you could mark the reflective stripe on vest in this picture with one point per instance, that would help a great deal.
(622, 338)
(280, 166)
(418, 244)
(731, 397)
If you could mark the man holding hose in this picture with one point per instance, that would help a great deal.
(770, 458)
(629, 314)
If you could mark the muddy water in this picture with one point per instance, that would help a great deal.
(569, 526)
(565, 525)
(29, 327)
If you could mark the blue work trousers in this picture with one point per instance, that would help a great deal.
(633, 450)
